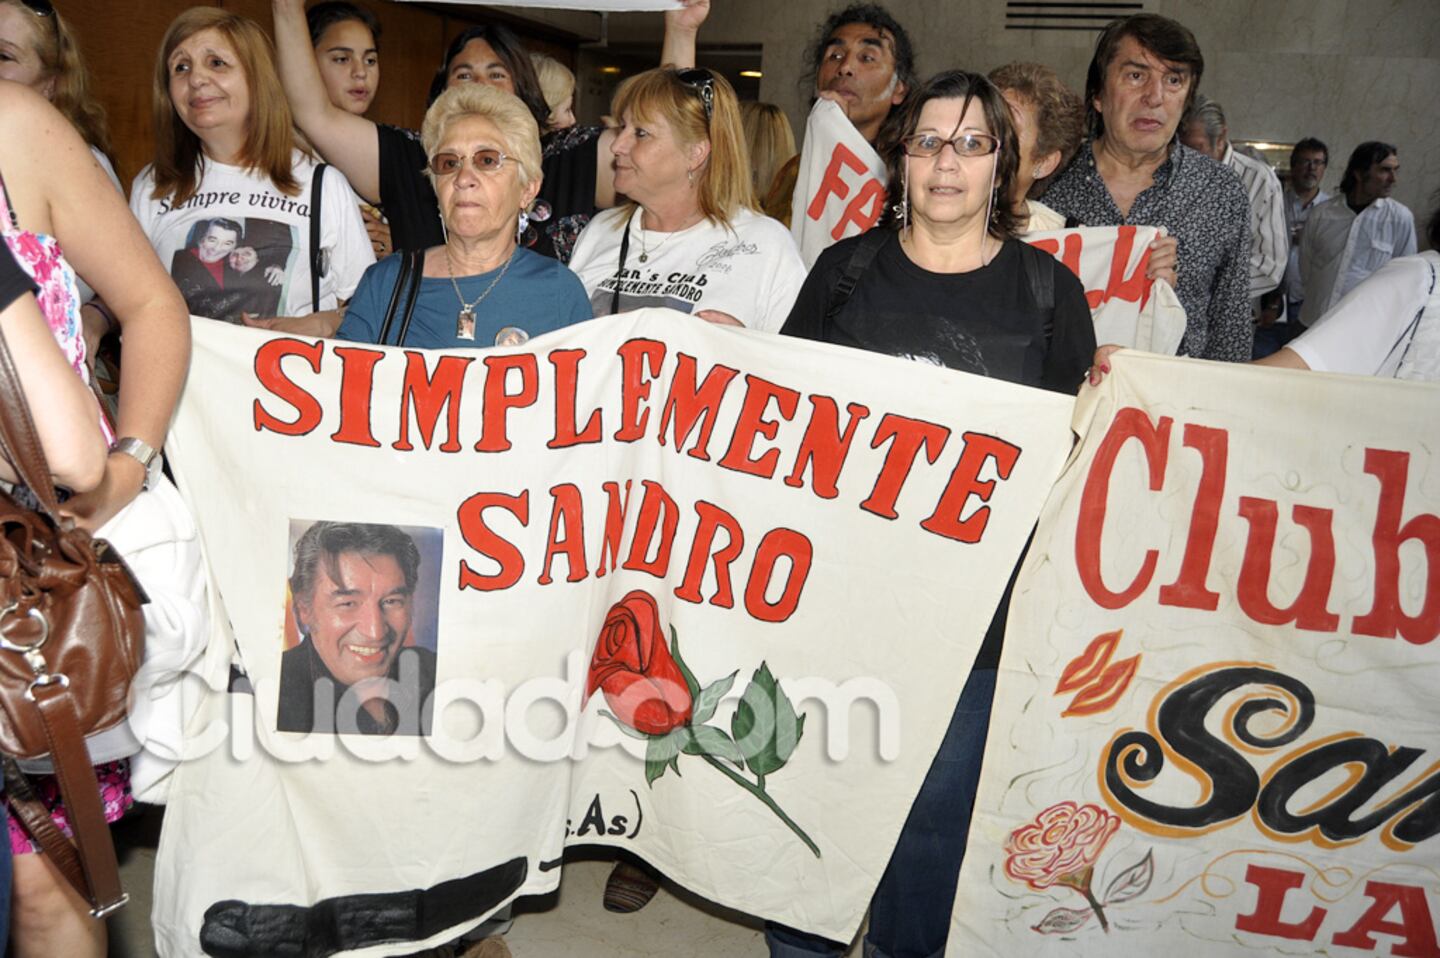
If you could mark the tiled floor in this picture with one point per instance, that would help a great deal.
(570, 924)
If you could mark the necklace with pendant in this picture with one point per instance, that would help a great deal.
(644, 251)
(465, 319)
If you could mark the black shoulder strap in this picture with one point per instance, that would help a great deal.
(317, 180)
(417, 273)
(402, 283)
(1040, 274)
(860, 259)
(1071, 222)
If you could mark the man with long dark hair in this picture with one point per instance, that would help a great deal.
(1354, 234)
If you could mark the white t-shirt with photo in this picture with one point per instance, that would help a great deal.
(750, 270)
(241, 245)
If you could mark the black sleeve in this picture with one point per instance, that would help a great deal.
(406, 196)
(1072, 339)
(14, 281)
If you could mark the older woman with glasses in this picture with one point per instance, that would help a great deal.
(478, 287)
(690, 237)
(947, 283)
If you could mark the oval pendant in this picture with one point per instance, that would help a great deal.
(644, 258)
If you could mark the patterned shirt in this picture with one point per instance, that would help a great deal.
(1203, 205)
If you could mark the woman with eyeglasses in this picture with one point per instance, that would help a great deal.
(690, 237)
(945, 281)
(385, 162)
(479, 287)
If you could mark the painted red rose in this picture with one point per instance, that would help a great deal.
(632, 665)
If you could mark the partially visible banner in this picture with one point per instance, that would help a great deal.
(1215, 726)
(840, 188)
(599, 6)
(698, 593)
(1129, 310)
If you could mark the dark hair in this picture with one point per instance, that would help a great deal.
(1167, 39)
(960, 85)
(871, 15)
(512, 53)
(205, 226)
(1366, 155)
(1311, 145)
(325, 542)
(327, 13)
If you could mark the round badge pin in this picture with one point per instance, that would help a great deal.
(511, 336)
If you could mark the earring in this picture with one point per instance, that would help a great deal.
(523, 225)
(690, 175)
(905, 198)
(444, 233)
(1035, 173)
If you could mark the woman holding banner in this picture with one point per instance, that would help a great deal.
(690, 237)
(947, 283)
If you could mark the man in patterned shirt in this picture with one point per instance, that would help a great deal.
(1142, 78)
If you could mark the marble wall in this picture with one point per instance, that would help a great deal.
(1343, 70)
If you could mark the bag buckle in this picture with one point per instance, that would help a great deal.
(102, 911)
(31, 652)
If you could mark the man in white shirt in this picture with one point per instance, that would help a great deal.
(1351, 236)
(1204, 129)
(1308, 161)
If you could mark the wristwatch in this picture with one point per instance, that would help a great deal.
(143, 453)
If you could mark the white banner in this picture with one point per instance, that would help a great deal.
(1129, 310)
(840, 188)
(1214, 730)
(702, 594)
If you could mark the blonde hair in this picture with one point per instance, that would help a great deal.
(507, 111)
(557, 83)
(270, 140)
(770, 140)
(723, 182)
(59, 55)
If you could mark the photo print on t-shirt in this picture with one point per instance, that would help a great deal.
(233, 266)
(360, 637)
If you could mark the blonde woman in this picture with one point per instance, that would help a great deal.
(479, 287)
(557, 84)
(229, 173)
(771, 141)
(691, 222)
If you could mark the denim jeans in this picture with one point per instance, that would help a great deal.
(910, 913)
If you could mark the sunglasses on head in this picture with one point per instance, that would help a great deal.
(484, 161)
(703, 83)
(41, 8)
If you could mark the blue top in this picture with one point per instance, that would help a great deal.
(538, 295)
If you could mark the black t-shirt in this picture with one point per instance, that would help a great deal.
(986, 321)
(14, 281)
(565, 204)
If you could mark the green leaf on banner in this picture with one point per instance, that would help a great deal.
(633, 733)
(690, 681)
(709, 740)
(765, 725)
(663, 751)
(709, 699)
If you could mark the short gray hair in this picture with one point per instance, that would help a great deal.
(517, 126)
(1209, 114)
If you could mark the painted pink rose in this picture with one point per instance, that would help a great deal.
(1062, 843)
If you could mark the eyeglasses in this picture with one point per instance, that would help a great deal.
(484, 161)
(1310, 162)
(703, 83)
(966, 144)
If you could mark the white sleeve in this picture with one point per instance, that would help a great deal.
(1272, 247)
(1361, 331)
(342, 234)
(786, 278)
(1405, 241)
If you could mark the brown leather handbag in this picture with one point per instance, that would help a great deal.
(71, 639)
